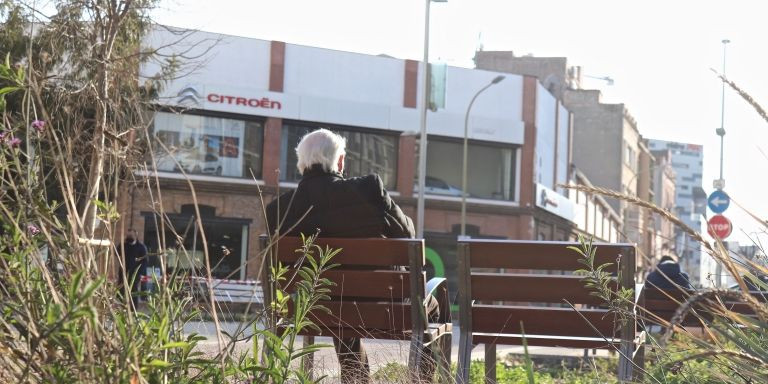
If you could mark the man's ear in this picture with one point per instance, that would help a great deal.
(340, 164)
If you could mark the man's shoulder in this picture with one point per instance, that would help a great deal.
(370, 182)
(285, 196)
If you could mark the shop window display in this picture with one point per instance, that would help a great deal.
(490, 170)
(206, 145)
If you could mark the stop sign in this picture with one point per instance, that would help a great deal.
(719, 227)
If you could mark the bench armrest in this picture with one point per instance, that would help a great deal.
(437, 287)
(433, 284)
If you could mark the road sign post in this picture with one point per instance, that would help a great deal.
(718, 201)
(719, 227)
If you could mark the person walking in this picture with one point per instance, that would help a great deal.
(134, 255)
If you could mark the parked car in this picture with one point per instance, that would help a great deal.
(206, 163)
(435, 186)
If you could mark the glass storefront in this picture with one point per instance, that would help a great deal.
(226, 239)
(490, 170)
(367, 153)
(206, 145)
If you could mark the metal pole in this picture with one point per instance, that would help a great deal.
(423, 127)
(464, 158)
(721, 131)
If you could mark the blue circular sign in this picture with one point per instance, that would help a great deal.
(718, 201)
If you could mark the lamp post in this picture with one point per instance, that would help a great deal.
(423, 124)
(720, 183)
(495, 80)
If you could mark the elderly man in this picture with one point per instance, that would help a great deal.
(337, 207)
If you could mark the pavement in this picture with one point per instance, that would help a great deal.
(380, 352)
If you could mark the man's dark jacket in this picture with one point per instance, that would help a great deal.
(673, 272)
(339, 207)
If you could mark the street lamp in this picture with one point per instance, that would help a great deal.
(495, 80)
(423, 125)
(720, 183)
(608, 80)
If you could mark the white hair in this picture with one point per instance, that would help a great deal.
(320, 147)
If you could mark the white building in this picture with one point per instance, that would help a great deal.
(690, 206)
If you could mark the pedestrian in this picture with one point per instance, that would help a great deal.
(668, 275)
(135, 261)
(357, 207)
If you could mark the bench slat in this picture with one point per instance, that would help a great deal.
(550, 255)
(553, 322)
(384, 285)
(364, 315)
(373, 252)
(532, 288)
(533, 340)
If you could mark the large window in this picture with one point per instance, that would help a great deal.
(226, 240)
(207, 145)
(366, 153)
(490, 170)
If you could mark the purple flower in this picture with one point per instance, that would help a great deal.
(39, 125)
(13, 142)
(2, 135)
(32, 229)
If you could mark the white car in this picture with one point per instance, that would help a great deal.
(206, 163)
(435, 186)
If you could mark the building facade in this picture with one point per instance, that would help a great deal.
(665, 187)
(224, 135)
(607, 145)
(690, 204)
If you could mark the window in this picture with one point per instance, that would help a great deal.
(227, 241)
(207, 145)
(366, 153)
(630, 156)
(490, 170)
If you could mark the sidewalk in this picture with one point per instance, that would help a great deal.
(382, 352)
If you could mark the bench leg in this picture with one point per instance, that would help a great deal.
(465, 357)
(444, 358)
(307, 362)
(639, 360)
(415, 357)
(490, 363)
(625, 362)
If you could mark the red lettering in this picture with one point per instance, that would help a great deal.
(264, 102)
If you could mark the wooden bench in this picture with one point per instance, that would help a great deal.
(376, 282)
(658, 306)
(537, 275)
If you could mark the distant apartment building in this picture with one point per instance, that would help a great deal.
(690, 203)
(607, 145)
(664, 188)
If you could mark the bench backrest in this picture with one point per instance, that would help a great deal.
(658, 306)
(373, 280)
(505, 282)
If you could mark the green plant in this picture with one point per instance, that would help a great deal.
(731, 346)
(290, 316)
(619, 301)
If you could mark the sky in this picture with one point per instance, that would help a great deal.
(660, 55)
